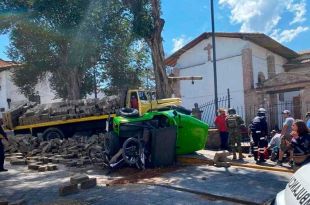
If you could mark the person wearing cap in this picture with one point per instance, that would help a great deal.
(220, 122)
(274, 144)
(307, 120)
(286, 136)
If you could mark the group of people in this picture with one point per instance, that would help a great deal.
(291, 143)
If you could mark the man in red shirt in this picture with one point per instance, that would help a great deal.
(220, 122)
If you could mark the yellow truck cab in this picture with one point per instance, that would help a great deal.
(146, 100)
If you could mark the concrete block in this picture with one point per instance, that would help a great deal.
(18, 162)
(92, 182)
(42, 168)
(76, 179)
(33, 166)
(67, 189)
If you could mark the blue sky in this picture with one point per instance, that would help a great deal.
(287, 21)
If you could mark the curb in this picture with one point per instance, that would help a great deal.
(186, 160)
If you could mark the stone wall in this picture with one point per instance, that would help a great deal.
(214, 141)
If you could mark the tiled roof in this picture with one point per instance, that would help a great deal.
(4, 65)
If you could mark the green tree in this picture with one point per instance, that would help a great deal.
(63, 39)
(148, 25)
(128, 69)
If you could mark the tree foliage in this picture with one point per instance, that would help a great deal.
(65, 39)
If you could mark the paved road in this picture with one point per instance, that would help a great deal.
(42, 188)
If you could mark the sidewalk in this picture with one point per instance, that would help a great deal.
(206, 157)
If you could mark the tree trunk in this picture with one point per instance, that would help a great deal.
(73, 87)
(163, 87)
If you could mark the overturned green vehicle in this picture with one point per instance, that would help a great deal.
(154, 138)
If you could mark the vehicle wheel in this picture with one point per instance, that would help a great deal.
(111, 143)
(128, 112)
(52, 133)
(131, 151)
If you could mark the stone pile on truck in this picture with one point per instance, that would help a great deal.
(64, 119)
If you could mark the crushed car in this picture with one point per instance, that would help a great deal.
(151, 140)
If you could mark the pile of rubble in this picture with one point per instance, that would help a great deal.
(42, 155)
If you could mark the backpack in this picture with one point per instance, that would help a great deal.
(232, 121)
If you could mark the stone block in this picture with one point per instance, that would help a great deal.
(214, 140)
(221, 156)
(92, 182)
(45, 160)
(18, 162)
(52, 167)
(222, 164)
(33, 166)
(76, 179)
(55, 161)
(42, 168)
(71, 163)
(3, 201)
(67, 189)
(19, 202)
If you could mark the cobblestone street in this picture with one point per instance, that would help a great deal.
(42, 188)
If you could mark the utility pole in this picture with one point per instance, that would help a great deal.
(214, 59)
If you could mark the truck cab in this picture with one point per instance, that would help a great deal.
(144, 100)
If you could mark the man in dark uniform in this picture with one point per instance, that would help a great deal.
(2, 136)
(259, 130)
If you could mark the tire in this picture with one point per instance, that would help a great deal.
(53, 133)
(131, 149)
(128, 112)
(111, 143)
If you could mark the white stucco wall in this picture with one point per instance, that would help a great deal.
(229, 72)
(9, 90)
(259, 56)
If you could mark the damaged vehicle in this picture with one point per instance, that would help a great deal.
(151, 140)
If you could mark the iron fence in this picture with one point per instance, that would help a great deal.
(273, 112)
(208, 109)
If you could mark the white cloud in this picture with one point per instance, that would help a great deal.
(265, 15)
(288, 35)
(179, 42)
(299, 10)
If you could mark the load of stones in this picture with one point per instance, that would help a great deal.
(36, 153)
(27, 113)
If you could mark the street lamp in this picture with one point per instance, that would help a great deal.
(214, 59)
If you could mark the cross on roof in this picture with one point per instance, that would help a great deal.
(208, 48)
